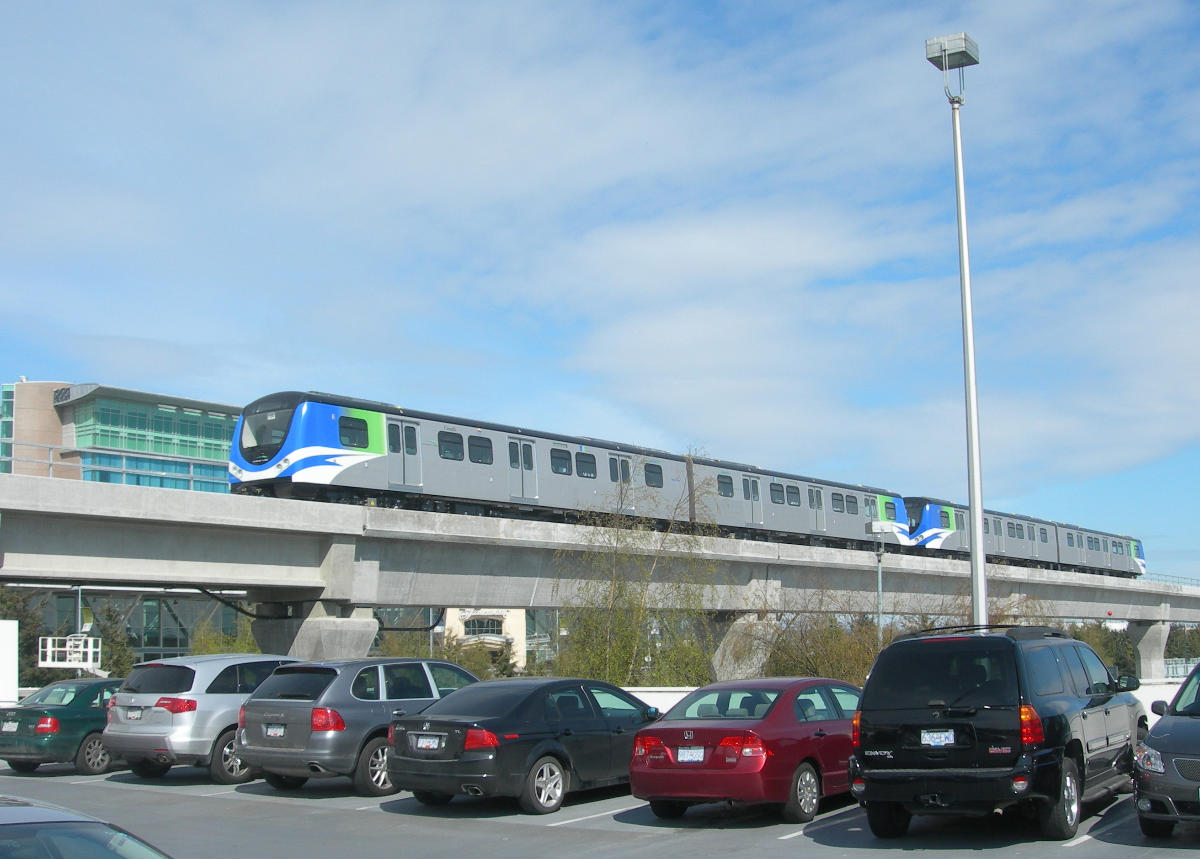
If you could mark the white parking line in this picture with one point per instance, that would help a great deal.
(1094, 831)
(221, 792)
(591, 816)
(816, 827)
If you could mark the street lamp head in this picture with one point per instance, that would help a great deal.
(952, 52)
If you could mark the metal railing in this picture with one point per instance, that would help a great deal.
(1176, 668)
(60, 466)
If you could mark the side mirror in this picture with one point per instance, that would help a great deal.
(1127, 683)
(653, 714)
(1159, 708)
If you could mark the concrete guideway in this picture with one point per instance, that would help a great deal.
(318, 570)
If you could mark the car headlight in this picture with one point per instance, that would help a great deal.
(1148, 759)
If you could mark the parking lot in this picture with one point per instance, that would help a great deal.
(187, 815)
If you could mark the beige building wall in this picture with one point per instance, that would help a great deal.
(512, 624)
(38, 432)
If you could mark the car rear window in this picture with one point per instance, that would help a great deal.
(296, 684)
(724, 704)
(479, 701)
(159, 679)
(943, 672)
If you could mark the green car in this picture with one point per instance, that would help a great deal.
(60, 722)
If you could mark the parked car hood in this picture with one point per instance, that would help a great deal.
(1176, 735)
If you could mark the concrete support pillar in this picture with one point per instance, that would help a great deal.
(1150, 640)
(744, 650)
(317, 630)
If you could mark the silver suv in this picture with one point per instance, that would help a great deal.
(325, 719)
(184, 711)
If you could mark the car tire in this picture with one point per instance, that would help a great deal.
(1156, 828)
(887, 819)
(370, 773)
(23, 766)
(429, 797)
(284, 782)
(668, 809)
(225, 766)
(545, 786)
(1059, 818)
(93, 757)
(146, 768)
(805, 798)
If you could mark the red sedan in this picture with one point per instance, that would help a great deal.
(782, 740)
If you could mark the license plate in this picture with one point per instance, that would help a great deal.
(8, 727)
(427, 743)
(133, 714)
(937, 738)
(275, 730)
(690, 754)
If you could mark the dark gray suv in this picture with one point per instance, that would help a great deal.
(1167, 767)
(326, 719)
(970, 720)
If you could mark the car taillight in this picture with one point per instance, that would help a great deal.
(856, 730)
(748, 745)
(647, 745)
(1032, 733)
(478, 738)
(391, 735)
(177, 705)
(46, 725)
(326, 719)
(242, 716)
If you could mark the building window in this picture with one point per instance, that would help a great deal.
(450, 445)
(352, 432)
(560, 461)
(479, 449)
(585, 465)
(654, 475)
(483, 626)
(776, 493)
(725, 485)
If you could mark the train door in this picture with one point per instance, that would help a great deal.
(620, 475)
(522, 469)
(404, 453)
(816, 503)
(752, 500)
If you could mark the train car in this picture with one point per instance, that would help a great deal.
(334, 448)
(1025, 540)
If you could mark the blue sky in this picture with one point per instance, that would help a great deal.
(720, 227)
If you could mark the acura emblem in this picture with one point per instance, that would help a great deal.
(425, 727)
(687, 735)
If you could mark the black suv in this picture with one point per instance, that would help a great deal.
(969, 720)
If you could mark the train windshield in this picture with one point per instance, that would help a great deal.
(263, 433)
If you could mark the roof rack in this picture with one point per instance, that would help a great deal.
(1017, 633)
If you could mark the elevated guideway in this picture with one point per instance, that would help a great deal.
(317, 571)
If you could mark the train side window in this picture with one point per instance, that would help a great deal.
(776, 493)
(869, 506)
(450, 445)
(410, 440)
(1012, 530)
(793, 496)
(889, 511)
(654, 475)
(1020, 531)
(746, 488)
(352, 432)
(1105, 544)
(725, 485)
(838, 502)
(958, 520)
(479, 449)
(1070, 540)
(514, 455)
(585, 465)
(560, 461)
(1045, 537)
(393, 438)
(944, 518)
(986, 527)
(852, 505)
(624, 470)
(526, 456)
(996, 526)
(612, 469)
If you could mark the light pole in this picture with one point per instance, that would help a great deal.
(957, 51)
(878, 527)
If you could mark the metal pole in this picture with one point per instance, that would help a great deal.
(974, 488)
(879, 589)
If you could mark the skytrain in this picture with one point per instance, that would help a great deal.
(326, 447)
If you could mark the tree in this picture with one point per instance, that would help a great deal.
(27, 609)
(477, 658)
(634, 614)
(116, 656)
(206, 638)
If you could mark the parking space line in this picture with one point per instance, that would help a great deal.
(221, 792)
(1096, 830)
(591, 816)
(816, 827)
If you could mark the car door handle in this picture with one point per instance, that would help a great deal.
(1084, 714)
(566, 732)
(819, 733)
(618, 730)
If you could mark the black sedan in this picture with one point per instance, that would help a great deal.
(535, 738)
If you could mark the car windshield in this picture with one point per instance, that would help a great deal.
(479, 700)
(943, 672)
(159, 679)
(724, 704)
(1186, 703)
(56, 694)
(296, 684)
(73, 840)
